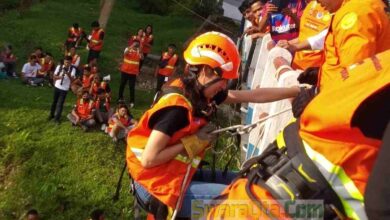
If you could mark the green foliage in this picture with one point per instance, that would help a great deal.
(59, 170)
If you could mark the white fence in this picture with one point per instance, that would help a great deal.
(259, 72)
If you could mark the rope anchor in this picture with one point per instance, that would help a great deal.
(244, 129)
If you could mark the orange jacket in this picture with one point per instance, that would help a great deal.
(131, 61)
(342, 151)
(96, 43)
(168, 69)
(165, 180)
(84, 109)
(314, 20)
(359, 30)
(343, 155)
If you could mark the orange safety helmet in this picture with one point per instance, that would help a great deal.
(215, 50)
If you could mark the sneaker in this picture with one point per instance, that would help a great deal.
(33, 84)
(14, 75)
(103, 127)
(41, 84)
(131, 105)
(115, 139)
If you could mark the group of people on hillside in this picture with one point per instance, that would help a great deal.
(326, 155)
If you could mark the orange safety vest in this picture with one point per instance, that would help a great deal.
(126, 121)
(314, 20)
(359, 29)
(96, 43)
(96, 86)
(84, 109)
(165, 180)
(106, 104)
(147, 42)
(133, 38)
(343, 155)
(87, 80)
(75, 58)
(45, 66)
(131, 61)
(74, 34)
(168, 69)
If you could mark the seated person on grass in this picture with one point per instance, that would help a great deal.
(84, 82)
(102, 107)
(30, 71)
(98, 84)
(83, 113)
(120, 123)
(47, 68)
(9, 60)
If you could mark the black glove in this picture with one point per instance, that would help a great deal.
(302, 100)
(309, 76)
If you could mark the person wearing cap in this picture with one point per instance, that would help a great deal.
(130, 69)
(167, 66)
(167, 145)
(95, 41)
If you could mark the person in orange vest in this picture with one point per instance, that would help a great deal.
(75, 57)
(327, 157)
(97, 84)
(138, 37)
(167, 66)
(314, 20)
(47, 68)
(83, 112)
(130, 69)
(95, 42)
(359, 29)
(167, 145)
(102, 107)
(147, 41)
(75, 36)
(120, 123)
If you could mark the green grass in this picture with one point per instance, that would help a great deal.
(59, 170)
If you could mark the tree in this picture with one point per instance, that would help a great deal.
(106, 7)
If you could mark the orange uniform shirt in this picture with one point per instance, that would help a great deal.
(314, 20)
(360, 29)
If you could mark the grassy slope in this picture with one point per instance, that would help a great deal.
(59, 170)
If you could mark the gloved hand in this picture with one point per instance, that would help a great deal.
(196, 143)
(302, 100)
(309, 76)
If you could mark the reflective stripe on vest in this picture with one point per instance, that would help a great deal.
(350, 196)
(194, 162)
(131, 62)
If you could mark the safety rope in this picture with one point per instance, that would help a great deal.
(243, 129)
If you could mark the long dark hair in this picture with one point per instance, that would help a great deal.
(193, 91)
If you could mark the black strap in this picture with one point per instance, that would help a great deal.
(296, 150)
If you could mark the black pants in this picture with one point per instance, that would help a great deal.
(10, 68)
(93, 54)
(124, 78)
(58, 103)
(160, 82)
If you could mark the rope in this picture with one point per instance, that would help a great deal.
(203, 18)
(243, 129)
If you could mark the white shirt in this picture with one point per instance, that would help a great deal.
(29, 70)
(317, 42)
(66, 81)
